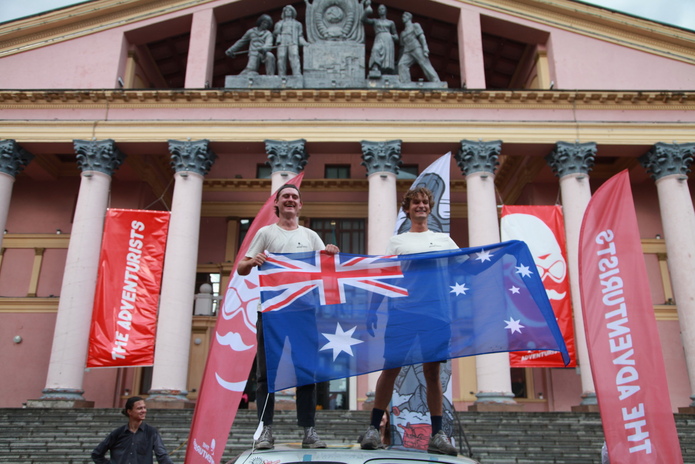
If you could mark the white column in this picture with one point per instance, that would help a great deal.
(192, 160)
(571, 163)
(478, 161)
(287, 159)
(381, 160)
(6, 183)
(12, 160)
(668, 164)
(71, 335)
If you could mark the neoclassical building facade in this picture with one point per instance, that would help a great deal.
(134, 104)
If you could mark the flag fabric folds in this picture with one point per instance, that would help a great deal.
(622, 336)
(232, 352)
(328, 317)
(542, 229)
(124, 316)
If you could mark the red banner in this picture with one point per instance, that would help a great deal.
(621, 332)
(543, 230)
(231, 356)
(124, 317)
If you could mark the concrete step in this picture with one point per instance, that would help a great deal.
(33, 436)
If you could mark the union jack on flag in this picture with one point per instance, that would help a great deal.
(329, 275)
(329, 317)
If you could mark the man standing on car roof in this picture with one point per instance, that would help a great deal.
(417, 205)
(286, 236)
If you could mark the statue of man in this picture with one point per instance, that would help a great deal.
(414, 50)
(383, 56)
(259, 41)
(289, 36)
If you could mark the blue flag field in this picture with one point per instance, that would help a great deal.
(329, 317)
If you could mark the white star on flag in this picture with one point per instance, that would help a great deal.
(340, 341)
(483, 256)
(523, 270)
(459, 289)
(515, 290)
(513, 325)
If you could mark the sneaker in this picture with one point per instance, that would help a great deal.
(311, 439)
(266, 440)
(371, 439)
(440, 443)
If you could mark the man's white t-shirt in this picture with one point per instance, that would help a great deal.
(275, 239)
(419, 242)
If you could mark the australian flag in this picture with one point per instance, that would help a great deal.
(328, 317)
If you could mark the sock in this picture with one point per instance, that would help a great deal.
(377, 414)
(436, 424)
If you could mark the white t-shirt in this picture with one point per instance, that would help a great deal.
(275, 239)
(419, 242)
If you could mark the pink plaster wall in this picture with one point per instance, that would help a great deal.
(587, 63)
(27, 361)
(90, 62)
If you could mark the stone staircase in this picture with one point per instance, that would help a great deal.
(33, 436)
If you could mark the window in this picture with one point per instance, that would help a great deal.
(337, 171)
(348, 234)
(263, 171)
(407, 171)
(213, 279)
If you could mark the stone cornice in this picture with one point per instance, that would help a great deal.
(323, 98)
(309, 185)
(80, 20)
(623, 132)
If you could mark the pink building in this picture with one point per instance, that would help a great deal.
(116, 80)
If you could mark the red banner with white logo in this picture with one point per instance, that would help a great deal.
(231, 356)
(621, 332)
(543, 230)
(124, 317)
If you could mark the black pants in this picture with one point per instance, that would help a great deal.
(306, 394)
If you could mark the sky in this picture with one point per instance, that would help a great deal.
(676, 12)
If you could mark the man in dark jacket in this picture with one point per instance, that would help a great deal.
(134, 442)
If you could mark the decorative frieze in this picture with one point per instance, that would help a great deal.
(381, 156)
(572, 158)
(13, 158)
(98, 155)
(478, 156)
(665, 159)
(286, 156)
(193, 156)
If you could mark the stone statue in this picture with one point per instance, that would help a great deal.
(334, 20)
(289, 36)
(259, 41)
(414, 50)
(383, 56)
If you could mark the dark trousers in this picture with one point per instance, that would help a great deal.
(306, 394)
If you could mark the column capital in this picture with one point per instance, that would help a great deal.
(286, 156)
(13, 158)
(194, 156)
(478, 156)
(665, 159)
(98, 155)
(572, 158)
(381, 156)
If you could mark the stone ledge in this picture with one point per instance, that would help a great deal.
(496, 407)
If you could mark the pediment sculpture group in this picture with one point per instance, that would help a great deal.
(333, 51)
